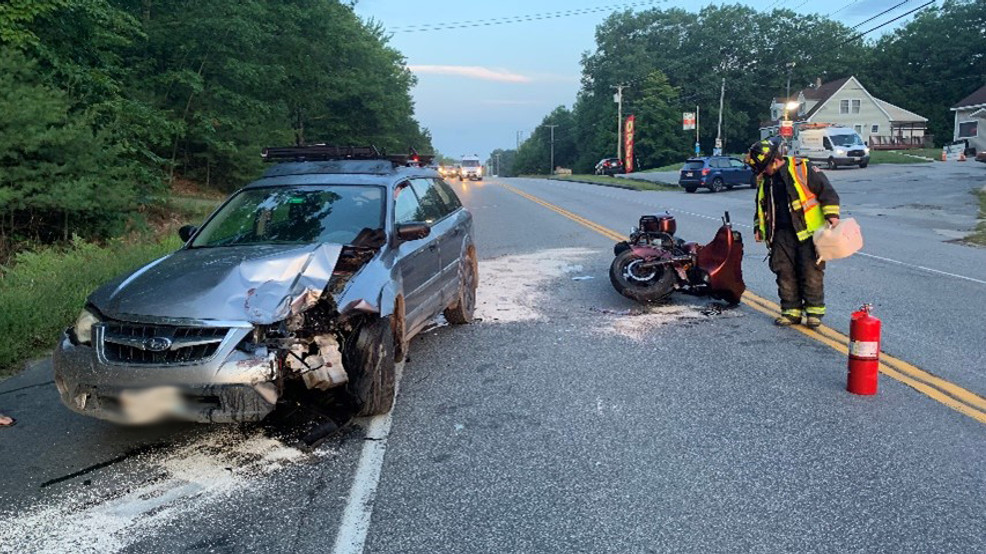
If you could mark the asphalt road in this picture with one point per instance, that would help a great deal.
(571, 420)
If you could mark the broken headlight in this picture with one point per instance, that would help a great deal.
(83, 326)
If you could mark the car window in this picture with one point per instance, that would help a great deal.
(719, 163)
(407, 207)
(294, 215)
(432, 207)
(736, 163)
(826, 143)
(694, 164)
(448, 196)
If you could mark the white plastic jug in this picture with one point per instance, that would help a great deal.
(841, 241)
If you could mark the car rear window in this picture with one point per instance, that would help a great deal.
(694, 164)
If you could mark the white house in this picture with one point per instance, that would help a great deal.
(847, 103)
(970, 117)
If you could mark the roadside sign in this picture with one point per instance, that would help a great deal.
(787, 129)
(628, 129)
(688, 121)
(698, 148)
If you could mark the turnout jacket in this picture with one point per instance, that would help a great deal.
(810, 194)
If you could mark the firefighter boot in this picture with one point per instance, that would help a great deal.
(788, 318)
(813, 322)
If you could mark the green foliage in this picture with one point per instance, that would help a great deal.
(506, 160)
(932, 62)
(56, 172)
(44, 291)
(102, 101)
(534, 154)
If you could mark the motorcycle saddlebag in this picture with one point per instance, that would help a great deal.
(661, 223)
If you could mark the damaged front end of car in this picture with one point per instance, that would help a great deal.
(219, 335)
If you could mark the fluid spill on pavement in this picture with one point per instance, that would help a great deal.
(168, 486)
(637, 323)
(512, 287)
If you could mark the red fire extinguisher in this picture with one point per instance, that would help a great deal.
(864, 351)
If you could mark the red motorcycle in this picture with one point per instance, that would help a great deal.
(653, 263)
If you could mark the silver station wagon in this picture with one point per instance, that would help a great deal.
(312, 278)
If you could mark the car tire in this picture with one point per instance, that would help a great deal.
(863, 165)
(717, 185)
(830, 164)
(372, 368)
(689, 189)
(463, 309)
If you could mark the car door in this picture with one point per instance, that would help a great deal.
(418, 260)
(454, 239)
(442, 228)
(739, 172)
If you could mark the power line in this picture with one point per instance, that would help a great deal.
(843, 8)
(517, 19)
(884, 24)
(888, 10)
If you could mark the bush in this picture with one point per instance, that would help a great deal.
(43, 291)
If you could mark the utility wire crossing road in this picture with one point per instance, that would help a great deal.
(941, 390)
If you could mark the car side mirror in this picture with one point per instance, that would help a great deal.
(413, 231)
(186, 232)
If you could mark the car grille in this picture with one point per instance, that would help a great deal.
(133, 343)
(857, 153)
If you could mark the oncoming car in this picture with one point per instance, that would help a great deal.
(471, 168)
(313, 277)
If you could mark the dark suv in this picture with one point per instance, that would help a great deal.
(609, 166)
(715, 173)
(313, 277)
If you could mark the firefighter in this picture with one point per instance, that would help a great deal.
(794, 199)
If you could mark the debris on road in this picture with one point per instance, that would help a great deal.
(638, 323)
(512, 287)
(7, 421)
(165, 486)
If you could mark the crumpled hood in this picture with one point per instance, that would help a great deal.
(261, 284)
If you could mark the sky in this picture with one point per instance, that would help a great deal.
(480, 88)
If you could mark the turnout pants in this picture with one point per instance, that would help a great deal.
(799, 278)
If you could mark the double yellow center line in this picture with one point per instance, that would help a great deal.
(949, 394)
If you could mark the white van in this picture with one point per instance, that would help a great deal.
(471, 168)
(832, 146)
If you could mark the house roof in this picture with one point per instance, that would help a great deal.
(897, 113)
(821, 94)
(974, 99)
(825, 91)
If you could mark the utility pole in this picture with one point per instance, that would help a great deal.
(697, 147)
(722, 96)
(519, 134)
(552, 168)
(790, 66)
(618, 98)
(497, 164)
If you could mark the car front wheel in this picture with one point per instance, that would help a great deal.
(717, 185)
(372, 368)
(831, 164)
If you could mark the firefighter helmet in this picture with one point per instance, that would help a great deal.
(763, 153)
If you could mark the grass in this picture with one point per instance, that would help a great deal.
(670, 167)
(42, 291)
(979, 235)
(897, 157)
(634, 184)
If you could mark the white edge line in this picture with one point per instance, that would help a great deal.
(355, 525)
(921, 267)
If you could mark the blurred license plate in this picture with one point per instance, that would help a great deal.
(689, 174)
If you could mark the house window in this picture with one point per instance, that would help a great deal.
(858, 129)
(844, 106)
(855, 106)
(874, 129)
(968, 129)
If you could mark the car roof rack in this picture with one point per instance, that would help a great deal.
(328, 152)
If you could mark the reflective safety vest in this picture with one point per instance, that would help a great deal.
(806, 212)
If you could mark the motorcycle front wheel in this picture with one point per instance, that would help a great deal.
(641, 284)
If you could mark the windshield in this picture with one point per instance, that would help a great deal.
(470, 163)
(295, 215)
(846, 140)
